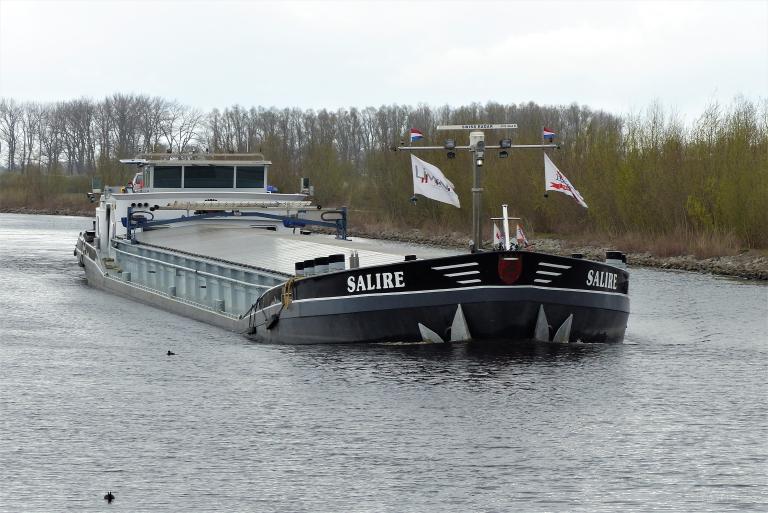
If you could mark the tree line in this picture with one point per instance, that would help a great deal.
(649, 173)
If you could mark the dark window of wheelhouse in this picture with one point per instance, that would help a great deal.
(213, 177)
(167, 177)
(250, 177)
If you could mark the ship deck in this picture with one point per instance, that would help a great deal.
(278, 251)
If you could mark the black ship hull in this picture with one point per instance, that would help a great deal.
(483, 296)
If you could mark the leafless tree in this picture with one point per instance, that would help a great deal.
(11, 114)
(180, 126)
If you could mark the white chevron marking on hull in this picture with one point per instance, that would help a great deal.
(563, 334)
(464, 273)
(455, 266)
(459, 328)
(557, 266)
(427, 335)
(542, 327)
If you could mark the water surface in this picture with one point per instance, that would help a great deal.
(674, 419)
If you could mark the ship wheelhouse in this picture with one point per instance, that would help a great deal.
(166, 180)
(193, 175)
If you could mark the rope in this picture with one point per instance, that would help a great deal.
(287, 296)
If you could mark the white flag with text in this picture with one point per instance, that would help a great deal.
(430, 182)
(556, 181)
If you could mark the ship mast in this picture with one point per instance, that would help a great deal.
(478, 148)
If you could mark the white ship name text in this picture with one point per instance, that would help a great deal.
(377, 281)
(602, 279)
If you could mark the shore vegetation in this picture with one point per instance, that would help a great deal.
(652, 181)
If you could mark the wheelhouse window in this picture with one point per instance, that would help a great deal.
(167, 177)
(213, 177)
(250, 177)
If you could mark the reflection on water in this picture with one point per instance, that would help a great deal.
(674, 419)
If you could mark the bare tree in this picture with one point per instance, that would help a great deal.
(29, 120)
(11, 114)
(124, 124)
(50, 130)
(180, 126)
(152, 112)
(78, 118)
(103, 130)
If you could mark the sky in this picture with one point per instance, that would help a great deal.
(616, 56)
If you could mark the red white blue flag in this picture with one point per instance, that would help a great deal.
(548, 134)
(416, 134)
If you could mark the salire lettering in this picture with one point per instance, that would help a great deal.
(376, 281)
(602, 279)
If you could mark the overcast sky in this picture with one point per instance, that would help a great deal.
(616, 56)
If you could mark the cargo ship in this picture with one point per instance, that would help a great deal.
(205, 236)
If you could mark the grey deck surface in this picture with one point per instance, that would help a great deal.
(278, 251)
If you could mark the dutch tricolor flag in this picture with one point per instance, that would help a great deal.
(548, 134)
(416, 134)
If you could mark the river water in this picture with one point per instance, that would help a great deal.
(674, 419)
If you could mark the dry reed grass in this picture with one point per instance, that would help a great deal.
(35, 192)
(678, 243)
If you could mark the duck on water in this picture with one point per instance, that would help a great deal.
(207, 237)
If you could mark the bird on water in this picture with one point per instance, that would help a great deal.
(109, 497)
(170, 353)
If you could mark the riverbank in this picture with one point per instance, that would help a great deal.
(50, 211)
(751, 265)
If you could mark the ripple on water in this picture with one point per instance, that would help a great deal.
(672, 420)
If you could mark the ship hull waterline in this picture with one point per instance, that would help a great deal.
(504, 318)
(322, 310)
